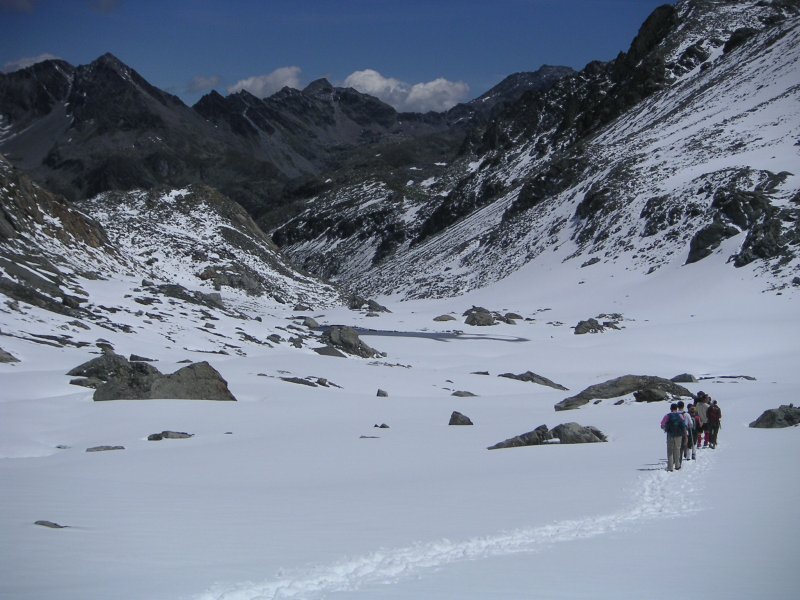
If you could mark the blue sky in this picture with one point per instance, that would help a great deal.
(415, 54)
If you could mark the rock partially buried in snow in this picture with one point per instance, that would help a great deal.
(651, 395)
(684, 378)
(443, 318)
(50, 524)
(538, 436)
(198, 381)
(127, 380)
(479, 317)
(458, 419)
(534, 378)
(104, 448)
(588, 326)
(566, 433)
(346, 339)
(5, 357)
(572, 433)
(329, 351)
(776, 418)
(169, 435)
(311, 323)
(620, 386)
(103, 367)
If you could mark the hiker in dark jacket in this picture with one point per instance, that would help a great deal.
(702, 410)
(694, 431)
(714, 415)
(675, 427)
(687, 438)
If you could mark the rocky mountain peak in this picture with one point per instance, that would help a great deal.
(318, 87)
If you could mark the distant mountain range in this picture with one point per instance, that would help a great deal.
(99, 127)
(684, 146)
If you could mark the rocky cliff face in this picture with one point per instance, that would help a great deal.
(658, 157)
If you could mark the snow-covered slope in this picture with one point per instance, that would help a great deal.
(291, 492)
(160, 263)
(711, 156)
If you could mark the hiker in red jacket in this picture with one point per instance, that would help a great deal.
(714, 415)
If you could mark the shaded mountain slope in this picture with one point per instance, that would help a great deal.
(84, 130)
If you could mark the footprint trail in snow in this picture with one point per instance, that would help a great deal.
(658, 495)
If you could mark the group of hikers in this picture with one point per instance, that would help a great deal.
(686, 428)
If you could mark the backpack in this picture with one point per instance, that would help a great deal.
(675, 425)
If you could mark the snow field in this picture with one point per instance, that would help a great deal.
(294, 503)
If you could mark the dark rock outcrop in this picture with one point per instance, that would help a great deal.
(479, 316)
(329, 351)
(299, 381)
(572, 433)
(534, 378)
(651, 395)
(613, 388)
(6, 357)
(346, 339)
(169, 435)
(458, 419)
(775, 418)
(123, 379)
(540, 435)
(684, 378)
(104, 367)
(198, 381)
(588, 326)
(50, 524)
(566, 433)
(104, 448)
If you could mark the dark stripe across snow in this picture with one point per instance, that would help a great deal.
(441, 336)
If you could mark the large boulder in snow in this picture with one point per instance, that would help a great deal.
(346, 339)
(566, 433)
(458, 419)
(117, 378)
(572, 433)
(103, 367)
(198, 381)
(479, 317)
(774, 418)
(620, 386)
(588, 326)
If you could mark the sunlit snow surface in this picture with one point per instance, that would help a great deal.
(294, 503)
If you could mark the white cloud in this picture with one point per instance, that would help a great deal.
(263, 86)
(437, 95)
(21, 63)
(390, 90)
(201, 83)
